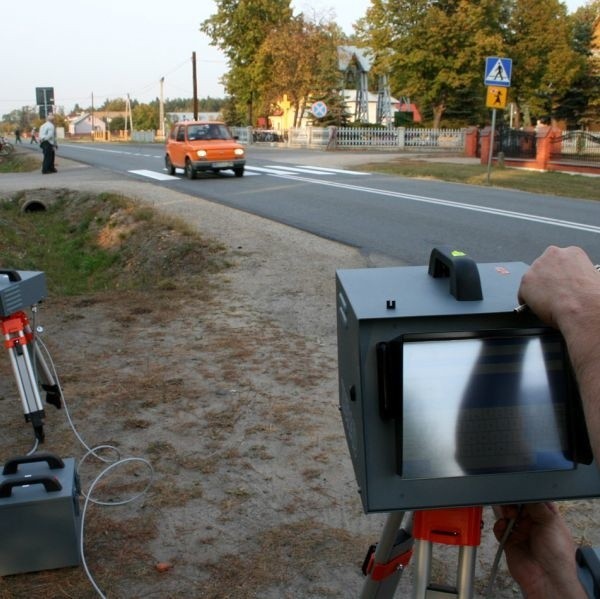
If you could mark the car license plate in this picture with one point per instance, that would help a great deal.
(223, 164)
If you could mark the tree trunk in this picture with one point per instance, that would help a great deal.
(438, 111)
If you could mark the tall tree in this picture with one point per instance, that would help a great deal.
(434, 51)
(545, 65)
(145, 117)
(580, 106)
(118, 104)
(280, 68)
(239, 28)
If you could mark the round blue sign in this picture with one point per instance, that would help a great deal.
(319, 109)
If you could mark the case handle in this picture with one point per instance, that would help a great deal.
(51, 483)
(13, 275)
(12, 465)
(465, 284)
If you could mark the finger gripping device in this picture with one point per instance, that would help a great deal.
(451, 399)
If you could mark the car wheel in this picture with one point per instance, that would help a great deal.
(169, 165)
(239, 172)
(190, 173)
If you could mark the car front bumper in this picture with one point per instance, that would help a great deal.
(211, 165)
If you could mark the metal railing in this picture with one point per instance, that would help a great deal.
(515, 143)
(399, 138)
(576, 145)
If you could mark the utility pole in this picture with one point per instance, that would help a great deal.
(128, 112)
(195, 85)
(161, 108)
(92, 116)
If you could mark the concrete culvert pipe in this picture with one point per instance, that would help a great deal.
(33, 206)
(39, 200)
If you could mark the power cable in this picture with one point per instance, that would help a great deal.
(112, 465)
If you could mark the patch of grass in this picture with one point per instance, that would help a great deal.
(553, 183)
(18, 163)
(88, 243)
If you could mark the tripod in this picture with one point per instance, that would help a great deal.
(461, 527)
(386, 561)
(27, 363)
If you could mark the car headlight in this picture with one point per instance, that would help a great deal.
(201, 153)
(239, 152)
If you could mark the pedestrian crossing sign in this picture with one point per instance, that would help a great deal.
(498, 71)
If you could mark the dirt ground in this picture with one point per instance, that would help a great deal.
(229, 389)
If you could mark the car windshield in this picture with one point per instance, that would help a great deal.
(212, 131)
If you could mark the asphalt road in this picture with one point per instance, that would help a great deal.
(397, 217)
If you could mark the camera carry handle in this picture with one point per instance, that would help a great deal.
(465, 283)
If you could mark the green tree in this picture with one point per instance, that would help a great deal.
(116, 105)
(116, 124)
(434, 51)
(540, 41)
(299, 59)
(145, 117)
(580, 106)
(239, 28)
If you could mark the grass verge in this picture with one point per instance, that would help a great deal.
(19, 163)
(87, 243)
(553, 183)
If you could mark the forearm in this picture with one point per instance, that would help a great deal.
(581, 331)
(569, 588)
(563, 289)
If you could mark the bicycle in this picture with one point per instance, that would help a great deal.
(6, 148)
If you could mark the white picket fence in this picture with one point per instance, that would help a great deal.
(333, 138)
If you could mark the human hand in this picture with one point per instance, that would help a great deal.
(560, 284)
(540, 552)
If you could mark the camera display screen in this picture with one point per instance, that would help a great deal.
(490, 404)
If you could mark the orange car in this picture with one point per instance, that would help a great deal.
(203, 146)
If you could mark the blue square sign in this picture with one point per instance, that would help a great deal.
(497, 71)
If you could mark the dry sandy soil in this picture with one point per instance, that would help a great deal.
(229, 389)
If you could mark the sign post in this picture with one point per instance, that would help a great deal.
(497, 76)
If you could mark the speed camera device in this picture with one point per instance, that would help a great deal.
(20, 289)
(449, 397)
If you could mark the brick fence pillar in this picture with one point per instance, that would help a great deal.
(471, 142)
(543, 139)
(486, 138)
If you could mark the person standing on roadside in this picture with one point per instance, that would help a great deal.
(48, 144)
(33, 139)
(17, 136)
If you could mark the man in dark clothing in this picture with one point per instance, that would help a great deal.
(48, 144)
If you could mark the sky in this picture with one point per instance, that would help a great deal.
(119, 47)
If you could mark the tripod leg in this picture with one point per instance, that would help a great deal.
(422, 567)
(47, 382)
(466, 572)
(390, 557)
(16, 342)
